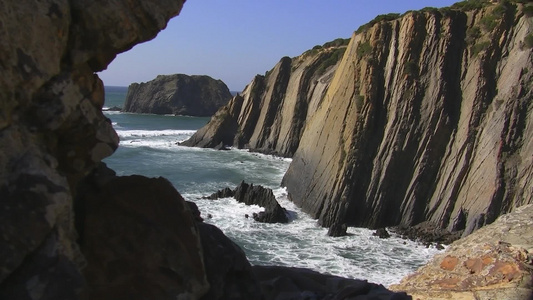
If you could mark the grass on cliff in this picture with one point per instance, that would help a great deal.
(334, 57)
(379, 18)
(528, 41)
(363, 49)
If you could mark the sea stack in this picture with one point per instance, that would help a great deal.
(178, 94)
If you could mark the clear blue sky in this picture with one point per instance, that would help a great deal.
(233, 40)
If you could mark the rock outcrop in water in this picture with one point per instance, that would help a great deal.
(256, 195)
(273, 109)
(178, 94)
(428, 118)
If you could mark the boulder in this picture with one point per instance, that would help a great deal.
(264, 197)
(140, 241)
(382, 233)
(337, 230)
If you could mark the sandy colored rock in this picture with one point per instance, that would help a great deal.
(420, 123)
(270, 114)
(495, 262)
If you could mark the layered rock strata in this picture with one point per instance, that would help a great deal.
(178, 94)
(428, 118)
(495, 262)
(273, 109)
(52, 130)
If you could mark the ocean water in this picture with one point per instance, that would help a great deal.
(149, 146)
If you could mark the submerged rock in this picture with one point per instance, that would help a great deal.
(382, 233)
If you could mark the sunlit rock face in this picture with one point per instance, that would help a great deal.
(491, 263)
(428, 118)
(270, 114)
(52, 130)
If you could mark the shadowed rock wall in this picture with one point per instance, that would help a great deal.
(52, 130)
(178, 94)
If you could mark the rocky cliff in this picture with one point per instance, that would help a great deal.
(70, 228)
(178, 94)
(52, 130)
(427, 119)
(273, 109)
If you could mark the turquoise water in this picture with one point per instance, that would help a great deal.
(149, 146)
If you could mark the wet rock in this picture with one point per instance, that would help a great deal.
(427, 233)
(382, 233)
(337, 230)
(224, 193)
(264, 197)
(255, 195)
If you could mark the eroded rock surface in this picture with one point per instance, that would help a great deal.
(495, 262)
(177, 94)
(428, 118)
(52, 130)
(273, 109)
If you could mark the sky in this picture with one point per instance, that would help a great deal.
(234, 40)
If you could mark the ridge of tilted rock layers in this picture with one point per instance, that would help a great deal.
(270, 114)
(427, 118)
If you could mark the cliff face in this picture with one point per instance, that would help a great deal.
(428, 118)
(272, 111)
(177, 94)
(52, 130)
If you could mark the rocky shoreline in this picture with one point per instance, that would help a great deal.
(72, 229)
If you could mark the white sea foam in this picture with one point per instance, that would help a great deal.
(301, 243)
(198, 172)
(154, 133)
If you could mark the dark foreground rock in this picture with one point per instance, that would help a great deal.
(282, 283)
(140, 241)
(256, 195)
(53, 132)
(178, 94)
